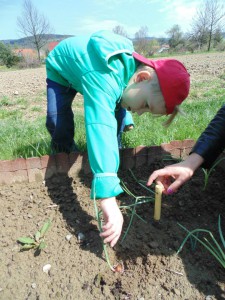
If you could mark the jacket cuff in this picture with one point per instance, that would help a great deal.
(105, 186)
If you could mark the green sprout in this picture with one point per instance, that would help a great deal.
(207, 173)
(37, 241)
(211, 245)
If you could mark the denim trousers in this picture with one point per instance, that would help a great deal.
(60, 118)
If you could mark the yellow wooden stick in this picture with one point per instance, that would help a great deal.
(158, 202)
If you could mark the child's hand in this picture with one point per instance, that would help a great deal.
(113, 221)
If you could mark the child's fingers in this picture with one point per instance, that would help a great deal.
(107, 231)
(112, 239)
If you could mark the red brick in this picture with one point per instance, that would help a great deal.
(20, 176)
(6, 166)
(154, 152)
(48, 165)
(19, 164)
(6, 177)
(76, 162)
(73, 157)
(35, 175)
(33, 163)
(128, 156)
(166, 147)
(176, 144)
(176, 153)
(141, 153)
(188, 143)
(62, 162)
(185, 152)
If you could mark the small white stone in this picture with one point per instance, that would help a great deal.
(47, 268)
(80, 237)
(68, 237)
(33, 285)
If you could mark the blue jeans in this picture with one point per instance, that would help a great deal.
(60, 118)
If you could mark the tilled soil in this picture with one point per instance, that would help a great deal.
(32, 81)
(153, 270)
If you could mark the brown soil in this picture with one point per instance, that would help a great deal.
(79, 270)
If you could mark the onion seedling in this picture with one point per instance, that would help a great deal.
(212, 246)
(207, 173)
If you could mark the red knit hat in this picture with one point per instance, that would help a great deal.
(174, 80)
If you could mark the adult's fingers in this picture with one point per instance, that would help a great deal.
(156, 174)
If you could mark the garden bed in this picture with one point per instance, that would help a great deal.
(78, 268)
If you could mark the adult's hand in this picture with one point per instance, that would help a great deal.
(172, 177)
(113, 221)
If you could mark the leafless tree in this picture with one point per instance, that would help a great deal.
(120, 30)
(34, 25)
(208, 21)
(141, 40)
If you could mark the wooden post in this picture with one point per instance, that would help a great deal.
(158, 202)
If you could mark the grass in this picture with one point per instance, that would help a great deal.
(23, 132)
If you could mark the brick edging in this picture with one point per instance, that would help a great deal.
(41, 168)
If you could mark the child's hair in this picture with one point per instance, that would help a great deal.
(172, 116)
(156, 91)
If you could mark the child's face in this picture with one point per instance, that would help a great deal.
(138, 97)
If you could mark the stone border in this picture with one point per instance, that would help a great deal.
(40, 168)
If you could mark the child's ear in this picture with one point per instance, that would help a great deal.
(142, 75)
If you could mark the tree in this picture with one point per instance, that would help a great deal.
(208, 21)
(120, 30)
(34, 25)
(216, 14)
(141, 40)
(175, 36)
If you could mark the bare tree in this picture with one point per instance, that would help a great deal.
(34, 25)
(208, 21)
(120, 30)
(141, 40)
(216, 18)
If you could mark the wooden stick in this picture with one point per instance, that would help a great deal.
(158, 201)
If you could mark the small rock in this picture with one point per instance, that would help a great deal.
(153, 245)
(46, 268)
(68, 237)
(33, 285)
(176, 292)
(209, 297)
(16, 93)
(81, 237)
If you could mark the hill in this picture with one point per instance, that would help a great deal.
(26, 42)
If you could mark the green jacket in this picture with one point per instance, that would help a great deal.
(99, 67)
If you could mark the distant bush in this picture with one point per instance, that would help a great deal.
(28, 62)
(7, 57)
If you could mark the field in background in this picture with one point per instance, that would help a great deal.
(23, 109)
